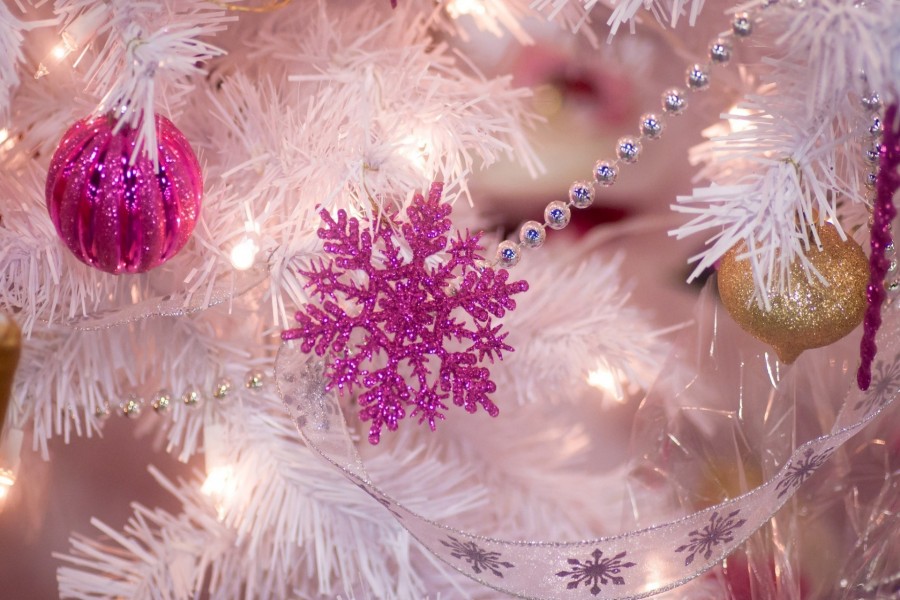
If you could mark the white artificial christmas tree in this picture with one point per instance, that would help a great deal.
(620, 409)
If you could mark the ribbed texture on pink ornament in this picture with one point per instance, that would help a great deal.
(120, 217)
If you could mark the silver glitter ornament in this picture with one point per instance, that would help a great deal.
(697, 78)
(605, 173)
(102, 411)
(673, 101)
(628, 150)
(532, 234)
(508, 254)
(741, 25)
(651, 126)
(557, 215)
(581, 194)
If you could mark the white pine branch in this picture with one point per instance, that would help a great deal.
(773, 178)
(157, 556)
(289, 505)
(376, 112)
(278, 519)
(11, 55)
(71, 379)
(835, 42)
(151, 53)
(576, 317)
(624, 12)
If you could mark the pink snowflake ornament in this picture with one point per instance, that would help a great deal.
(405, 331)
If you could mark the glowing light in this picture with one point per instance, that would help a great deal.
(659, 575)
(6, 142)
(604, 379)
(455, 8)
(243, 254)
(416, 148)
(736, 120)
(220, 486)
(7, 480)
(60, 51)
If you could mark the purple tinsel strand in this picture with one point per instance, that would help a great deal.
(883, 213)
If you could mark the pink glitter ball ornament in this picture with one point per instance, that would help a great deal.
(120, 217)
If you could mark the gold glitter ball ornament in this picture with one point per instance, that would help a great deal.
(808, 313)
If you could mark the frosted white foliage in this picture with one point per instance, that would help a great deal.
(71, 379)
(576, 319)
(836, 41)
(627, 12)
(287, 526)
(777, 174)
(10, 55)
(302, 513)
(150, 52)
(157, 556)
(400, 96)
(494, 16)
(375, 112)
(538, 488)
(269, 167)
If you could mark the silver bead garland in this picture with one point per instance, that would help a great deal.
(674, 102)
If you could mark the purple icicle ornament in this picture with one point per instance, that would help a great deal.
(119, 216)
(883, 212)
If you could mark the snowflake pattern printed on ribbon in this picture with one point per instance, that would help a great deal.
(802, 468)
(719, 530)
(602, 568)
(406, 319)
(477, 557)
(596, 571)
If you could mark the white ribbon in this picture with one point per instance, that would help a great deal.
(636, 564)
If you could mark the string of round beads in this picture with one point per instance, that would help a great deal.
(674, 102)
(871, 103)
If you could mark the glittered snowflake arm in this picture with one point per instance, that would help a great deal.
(428, 224)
